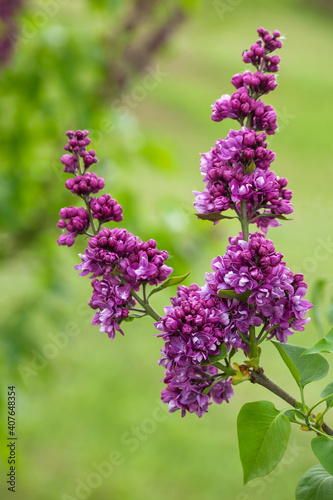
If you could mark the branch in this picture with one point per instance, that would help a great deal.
(258, 377)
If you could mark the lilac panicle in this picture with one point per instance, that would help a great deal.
(238, 169)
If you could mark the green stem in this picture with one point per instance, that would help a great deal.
(319, 402)
(244, 221)
(145, 305)
(253, 343)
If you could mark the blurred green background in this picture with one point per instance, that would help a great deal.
(81, 399)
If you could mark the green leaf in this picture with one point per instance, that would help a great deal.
(322, 447)
(304, 369)
(250, 168)
(272, 216)
(326, 392)
(291, 415)
(231, 294)
(213, 359)
(214, 216)
(176, 280)
(316, 484)
(324, 345)
(263, 434)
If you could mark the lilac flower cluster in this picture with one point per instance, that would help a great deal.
(118, 261)
(240, 106)
(258, 53)
(250, 287)
(77, 223)
(274, 293)
(237, 169)
(244, 104)
(77, 146)
(199, 321)
(106, 209)
(112, 300)
(186, 386)
(193, 329)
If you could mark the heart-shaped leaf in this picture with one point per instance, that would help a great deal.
(316, 483)
(322, 447)
(263, 434)
(304, 369)
(324, 345)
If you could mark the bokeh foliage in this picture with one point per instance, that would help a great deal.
(76, 409)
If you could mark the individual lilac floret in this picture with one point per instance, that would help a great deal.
(258, 53)
(275, 294)
(112, 299)
(106, 209)
(75, 221)
(146, 263)
(105, 250)
(85, 184)
(185, 388)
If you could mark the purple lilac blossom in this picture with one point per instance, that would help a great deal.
(106, 209)
(185, 388)
(237, 169)
(85, 184)
(104, 251)
(74, 221)
(258, 53)
(145, 263)
(112, 300)
(276, 295)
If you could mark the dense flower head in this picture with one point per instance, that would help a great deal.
(145, 263)
(185, 388)
(106, 209)
(74, 220)
(105, 249)
(258, 53)
(193, 330)
(112, 300)
(240, 106)
(77, 141)
(237, 169)
(85, 184)
(257, 83)
(275, 294)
